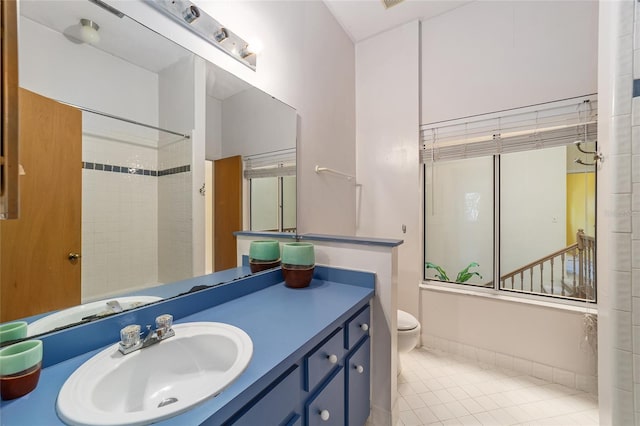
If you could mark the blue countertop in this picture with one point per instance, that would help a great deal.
(283, 323)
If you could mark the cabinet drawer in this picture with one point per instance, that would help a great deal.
(327, 406)
(275, 406)
(358, 327)
(323, 359)
(358, 376)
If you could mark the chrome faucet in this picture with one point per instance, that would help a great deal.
(131, 339)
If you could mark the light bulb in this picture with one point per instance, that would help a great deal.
(255, 46)
(89, 31)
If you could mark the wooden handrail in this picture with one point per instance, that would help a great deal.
(539, 261)
(582, 253)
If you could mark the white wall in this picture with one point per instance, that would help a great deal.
(255, 123)
(493, 55)
(308, 63)
(175, 219)
(387, 105)
(213, 137)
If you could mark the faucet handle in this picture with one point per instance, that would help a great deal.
(164, 321)
(130, 335)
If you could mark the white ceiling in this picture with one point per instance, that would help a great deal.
(126, 39)
(362, 19)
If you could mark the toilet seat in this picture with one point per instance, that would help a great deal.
(406, 321)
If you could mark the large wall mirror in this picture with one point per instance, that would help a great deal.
(157, 124)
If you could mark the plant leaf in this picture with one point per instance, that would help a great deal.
(465, 275)
(441, 275)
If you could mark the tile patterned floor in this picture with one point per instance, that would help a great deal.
(437, 388)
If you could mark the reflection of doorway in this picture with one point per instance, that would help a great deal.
(581, 204)
(38, 274)
(227, 210)
(208, 223)
(272, 203)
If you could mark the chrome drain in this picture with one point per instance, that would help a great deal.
(167, 401)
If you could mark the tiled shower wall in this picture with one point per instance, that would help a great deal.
(623, 215)
(136, 212)
(119, 216)
(635, 207)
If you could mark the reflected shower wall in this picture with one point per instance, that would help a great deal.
(135, 207)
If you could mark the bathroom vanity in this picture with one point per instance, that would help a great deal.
(311, 351)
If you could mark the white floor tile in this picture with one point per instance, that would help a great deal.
(426, 416)
(442, 412)
(441, 389)
(457, 409)
(472, 406)
(471, 390)
(486, 419)
(409, 418)
(444, 395)
(503, 417)
(430, 398)
(414, 401)
(402, 404)
(469, 421)
(487, 403)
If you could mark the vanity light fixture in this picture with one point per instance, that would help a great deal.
(89, 31)
(197, 21)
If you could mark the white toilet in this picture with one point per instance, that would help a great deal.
(408, 334)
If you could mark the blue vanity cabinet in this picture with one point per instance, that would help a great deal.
(329, 385)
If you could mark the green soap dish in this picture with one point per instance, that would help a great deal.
(300, 254)
(20, 357)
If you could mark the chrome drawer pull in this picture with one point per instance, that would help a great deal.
(364, 327)
(332, 358)
(359, 369)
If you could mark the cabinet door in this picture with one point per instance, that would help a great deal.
(358, 377)
(327, 406)
(276, 406)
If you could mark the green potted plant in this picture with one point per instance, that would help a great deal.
(463, 276)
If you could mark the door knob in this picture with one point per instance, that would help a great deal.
(74, 256)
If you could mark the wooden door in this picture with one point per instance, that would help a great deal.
(37, 274)
(227, 211)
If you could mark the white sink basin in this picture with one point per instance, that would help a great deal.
(76, 313)
(156, 382)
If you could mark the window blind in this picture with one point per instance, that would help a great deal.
(270, 164)
(535, 127)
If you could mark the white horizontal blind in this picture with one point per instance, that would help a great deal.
(270, 164)
(540, 126)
